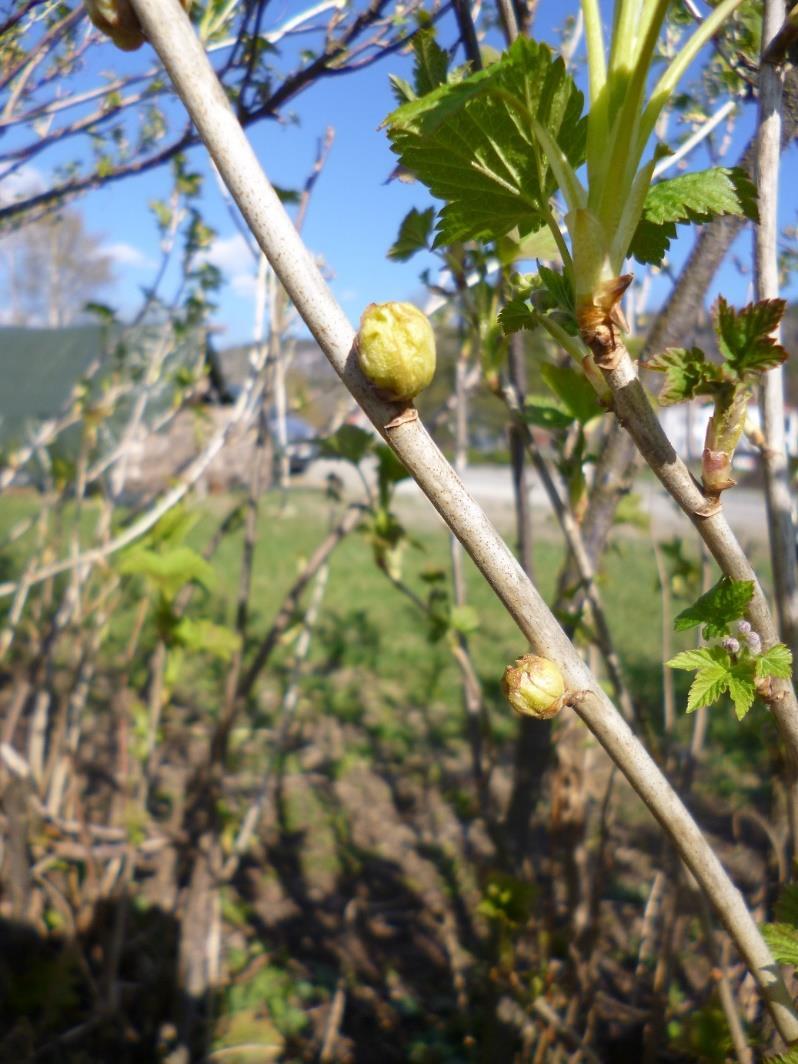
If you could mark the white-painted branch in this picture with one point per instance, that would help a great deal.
(171, 33)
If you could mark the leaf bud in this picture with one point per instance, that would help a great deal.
(534, 687)
(396, 349)
(754, 642)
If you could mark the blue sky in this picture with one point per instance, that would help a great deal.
(354, 214)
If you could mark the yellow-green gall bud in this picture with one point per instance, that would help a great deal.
(534, 687)
(396, 349)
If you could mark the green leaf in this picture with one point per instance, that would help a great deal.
(168, 571)
(727, 601)
(574, 390)
(742, 688)
(517, 315)
(414, 234)
(349, 442)
(783, 941)
(539, 244)
(687, 374)
(696, 197)
(707, 687)
(790, 1057)
(204, 635)
(775, 662)
(402, 90)
(464, 619)
(786, 907)
(390, 471)
(651, 242)
(700, 658)
(559, 289)
(472, 144)
(744, 336)
(431, 65)
(547, 416)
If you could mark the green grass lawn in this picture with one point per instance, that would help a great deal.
(367, 625)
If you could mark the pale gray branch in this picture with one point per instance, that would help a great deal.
(171, 33)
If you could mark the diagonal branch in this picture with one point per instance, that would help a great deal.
(171, 33)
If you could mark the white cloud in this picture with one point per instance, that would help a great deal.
(128, 255)
(243, 284)
(231, 255)
(26, 181)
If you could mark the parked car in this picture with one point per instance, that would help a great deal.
(302, 447)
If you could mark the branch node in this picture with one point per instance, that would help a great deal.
(409, 413)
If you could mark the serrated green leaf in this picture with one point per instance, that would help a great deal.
(651, 242)
(786, 907)
(742, 688)
(687, 374)
(727, 601)
(402, 90)
(700, 658)
(775, 662)
(783, 942)
(696, 197)
(547, 416)
(574, 390)
(431, 62)
(472, 144)
(414, 234)
(517, 315)
(707, 687)
(744, 336)
(558, 288)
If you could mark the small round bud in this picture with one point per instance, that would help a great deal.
(754, 642)
(534, 687)
(731, 644)
(743, 627)
(396, 349)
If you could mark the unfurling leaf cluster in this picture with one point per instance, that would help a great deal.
(746, 344)
(748, 349)
(737, 665)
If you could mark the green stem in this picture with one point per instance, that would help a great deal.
(571, 344)
(571, 187)
(623, 51)
(626, 142)
(559, 239)
(594, 43)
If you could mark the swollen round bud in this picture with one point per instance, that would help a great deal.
(534, 687)
(396, 349)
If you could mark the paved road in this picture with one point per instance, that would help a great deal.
(492, 487)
